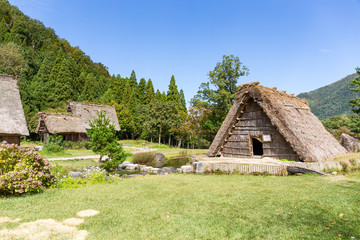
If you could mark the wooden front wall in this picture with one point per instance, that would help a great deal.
(74, 137)
(254, 123)
(10, 139)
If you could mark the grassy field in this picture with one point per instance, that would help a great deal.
(67, 153)
(204, 207)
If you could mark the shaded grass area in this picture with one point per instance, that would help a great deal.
(204, 207)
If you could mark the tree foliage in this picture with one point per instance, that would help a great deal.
(355, 103)
(103, 139)
(218, 94)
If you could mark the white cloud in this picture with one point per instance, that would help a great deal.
(325, 51)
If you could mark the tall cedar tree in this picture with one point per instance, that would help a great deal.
(182, 101)
(133, 80)
(149, 92)
(3, 30)
(141, 90)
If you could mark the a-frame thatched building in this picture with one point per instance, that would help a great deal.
(264, 122)
(12, 118)
(72, 126)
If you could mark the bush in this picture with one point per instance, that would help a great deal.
(76, 145)
(91, 176)
(54, 143)
(22, 170)
(144, 158)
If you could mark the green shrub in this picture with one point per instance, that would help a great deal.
(91, 177)
(54, 143)
(144, 158)
(76, 145)
(22, 170)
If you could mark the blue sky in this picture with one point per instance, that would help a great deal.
(295, 45)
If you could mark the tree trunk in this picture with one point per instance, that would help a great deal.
(159, 136)
(179, 144)
(169, 139)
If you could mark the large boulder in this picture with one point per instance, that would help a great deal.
(159, 158)
(349, 143)
(167, 170)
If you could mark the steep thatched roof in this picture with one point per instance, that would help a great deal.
(88, 112)
(61, 123)
(12, 118)
(291, 116)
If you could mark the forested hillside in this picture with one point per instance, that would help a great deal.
(52, 72)
(332, 99)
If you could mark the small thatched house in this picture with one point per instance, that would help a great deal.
(264, 122)
(12, 118)
(72, 126)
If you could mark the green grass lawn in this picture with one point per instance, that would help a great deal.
(204, 207)
(67, 153)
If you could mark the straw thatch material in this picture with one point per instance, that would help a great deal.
(300, 129)
(12, 118)
(88, 112)
(61, 123)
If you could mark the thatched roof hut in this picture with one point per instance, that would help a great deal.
(72, 126)
(12, 118)
(264, 122)
(60, 123)
(87, 112)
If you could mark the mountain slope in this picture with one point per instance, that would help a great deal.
(332, 99)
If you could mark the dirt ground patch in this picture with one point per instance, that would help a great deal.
(45, 229)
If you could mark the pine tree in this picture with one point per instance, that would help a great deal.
(41, 84)
(183, 101)
(133, 81)
(127, 92)
(141, 90)
(163, 97)
(3, 30)
(173, 95)
(117, 88)
(61, 88)
(158, 96)
(89, 89)
(149, 92)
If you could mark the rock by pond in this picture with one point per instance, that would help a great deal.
(160, 160)
(167, 170)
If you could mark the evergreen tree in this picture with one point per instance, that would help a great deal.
(41, 84)
(89, 90)
(117, 88)
(158, 96)
(61, 88)
(163, 97)
(149, 92)
(173, 95)
(183, 101)
(127, 92)
(141, 90)
(133, 81)
(3, 30)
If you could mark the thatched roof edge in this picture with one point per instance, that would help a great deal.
(12, 117)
